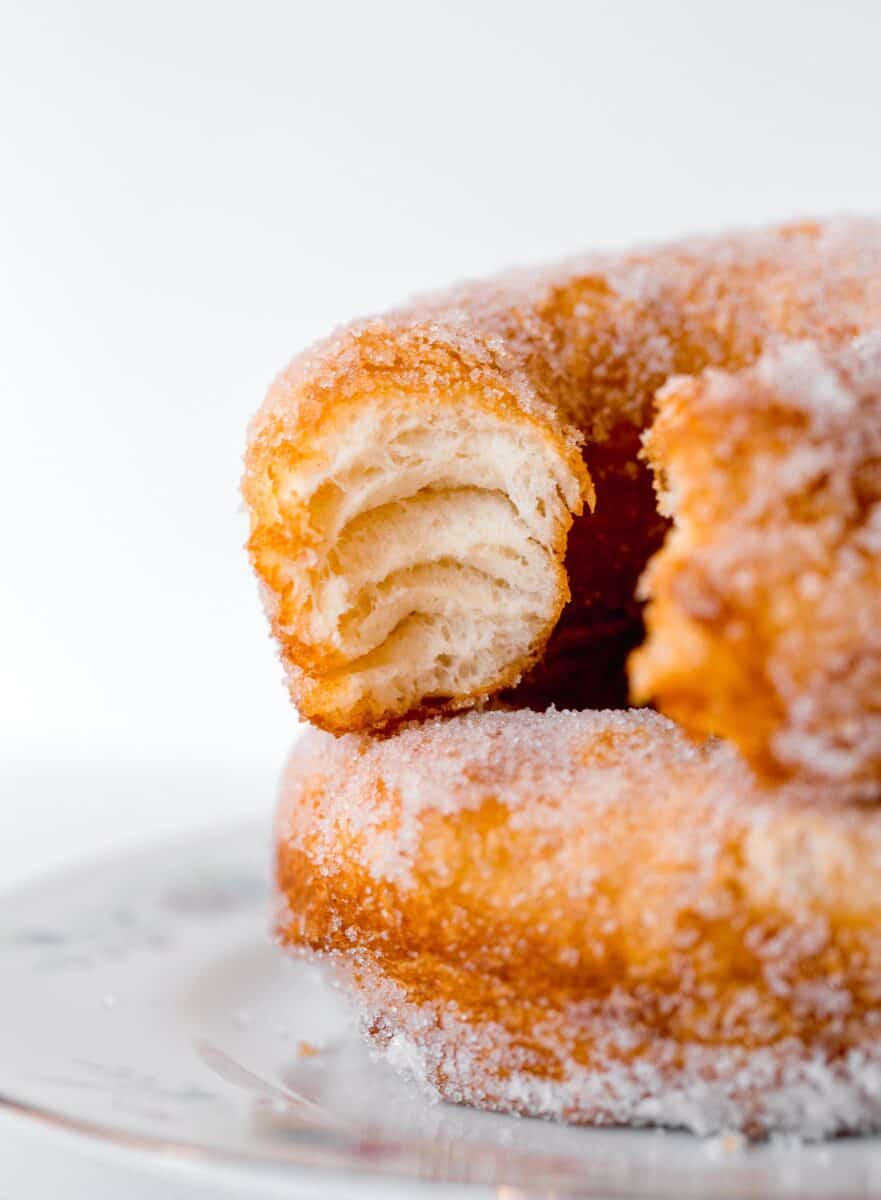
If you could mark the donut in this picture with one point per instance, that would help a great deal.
(591, 917)
(448, 502)
(764, 613)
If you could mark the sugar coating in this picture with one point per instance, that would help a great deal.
(545, 767)
(449, 765)
(503, 387)
(589, 916)
(634, 318)
(705, 1089)
(764, 617)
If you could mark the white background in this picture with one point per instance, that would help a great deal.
(191, 192)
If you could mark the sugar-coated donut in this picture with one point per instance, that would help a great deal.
(764, 620)
(413, 481)
(587, 916)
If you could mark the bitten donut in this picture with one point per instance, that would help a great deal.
(764, 620)
(431, 489)
(587, 916)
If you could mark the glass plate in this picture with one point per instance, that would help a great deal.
(141, 1002)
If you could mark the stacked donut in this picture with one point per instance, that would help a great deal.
(652, 477)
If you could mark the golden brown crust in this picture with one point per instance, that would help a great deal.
(764, 615)
(585, 915)
(578, 350)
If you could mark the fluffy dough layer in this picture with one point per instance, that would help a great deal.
(413, 481)
(587, 916)
(764, 615)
